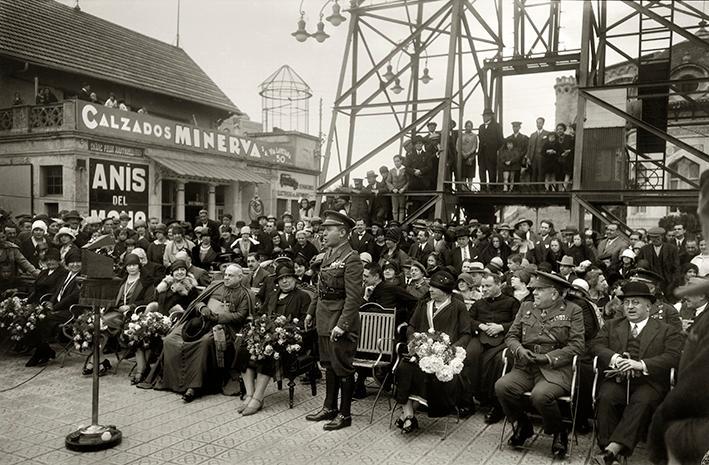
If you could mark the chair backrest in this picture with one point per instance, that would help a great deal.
(378, 330)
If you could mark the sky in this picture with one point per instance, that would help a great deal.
(239, 43)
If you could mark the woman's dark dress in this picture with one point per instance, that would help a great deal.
(454, 320)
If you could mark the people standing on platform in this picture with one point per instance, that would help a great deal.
(521, 144)
(565, 152)
(335, 312)
(550, 162)
(398, 184)
(510, 163)
(490, 141)
(535, 152)
(467, 149)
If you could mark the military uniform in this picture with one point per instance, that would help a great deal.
(556, 332)
(336, 305)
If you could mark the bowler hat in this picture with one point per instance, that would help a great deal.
(73, 214)
(637, 289)
(566, 260)
(443, 280)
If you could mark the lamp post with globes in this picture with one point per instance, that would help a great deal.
(336, 18)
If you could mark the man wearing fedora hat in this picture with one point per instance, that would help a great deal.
(566, 268)
(490, 141)
(419, 165)
(378, 203)
(335, 310)
(462, 251)
(544, 337)
(640, 351)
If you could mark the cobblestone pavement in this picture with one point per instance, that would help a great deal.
(158, 428)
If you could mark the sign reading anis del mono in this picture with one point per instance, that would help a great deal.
(117, 186)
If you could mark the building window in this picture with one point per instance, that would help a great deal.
(686, 168)
(687, 87)
(640, 209)
(52, 209)
(52, 179)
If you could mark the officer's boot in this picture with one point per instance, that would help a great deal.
(560, 446)
(329, 409)
(344, 418)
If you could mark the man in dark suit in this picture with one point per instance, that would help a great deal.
(534, 152)
(490, 141)
(419, 165)
(462, 251)
(641, 351)
(422, 248)
(613, 243)
(211, 225)
(663, 257)
(288, 239)
(520, 142)
(361, 240)
(491, 318)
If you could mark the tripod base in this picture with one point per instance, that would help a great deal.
(93, 438)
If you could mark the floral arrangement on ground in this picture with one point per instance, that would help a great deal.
(146, 328)
(268, 337)
(436, 355)
(19, 318)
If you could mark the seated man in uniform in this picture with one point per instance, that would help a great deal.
(544, 338)
(641, 351)
(189, 363)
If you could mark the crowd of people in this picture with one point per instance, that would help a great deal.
(546, 296)
(540, 162)
(46, 96)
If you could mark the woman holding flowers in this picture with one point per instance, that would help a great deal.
(174, 294)
(444, 323)
(258, 362)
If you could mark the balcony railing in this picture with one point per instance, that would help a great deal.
(36, 118)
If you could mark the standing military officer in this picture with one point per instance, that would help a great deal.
(544, 337)
(336, 313)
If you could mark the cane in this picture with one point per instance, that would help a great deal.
(627, 383)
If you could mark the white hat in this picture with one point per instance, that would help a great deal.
(64, 230)
(628, 253)
(366, 257)
(245, 230)
(580, 284)
(39, 224)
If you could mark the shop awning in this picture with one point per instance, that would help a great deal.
(209, 169)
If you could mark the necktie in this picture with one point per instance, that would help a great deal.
(634, 331)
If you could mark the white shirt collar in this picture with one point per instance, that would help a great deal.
(698, 311)
(640, 325)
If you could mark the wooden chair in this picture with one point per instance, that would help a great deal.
(570, 400)
(375, 348)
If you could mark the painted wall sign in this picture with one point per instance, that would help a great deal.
(139, 127)
(115, 187)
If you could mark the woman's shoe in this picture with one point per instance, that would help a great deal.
(190, 395)
(41, 356)
(104, 367)
(410, 425)
(244, 404)
(250, 410)
(86, 371)
(140, 377)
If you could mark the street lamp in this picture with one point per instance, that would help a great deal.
(389, 75)
(301, 35)
(320, 35)
(425, 78)
(397, 87)
(335, 18)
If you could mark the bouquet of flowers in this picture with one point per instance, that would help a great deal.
(145, 329)
(268, 337)
(436, 355)
(19, 318)
(82, 327)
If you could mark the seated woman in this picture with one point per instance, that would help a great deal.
(65, 295)
(288, 301)
(50, 278)
(134, 292)
(174, 294)
(189, 362)
(441, 313)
